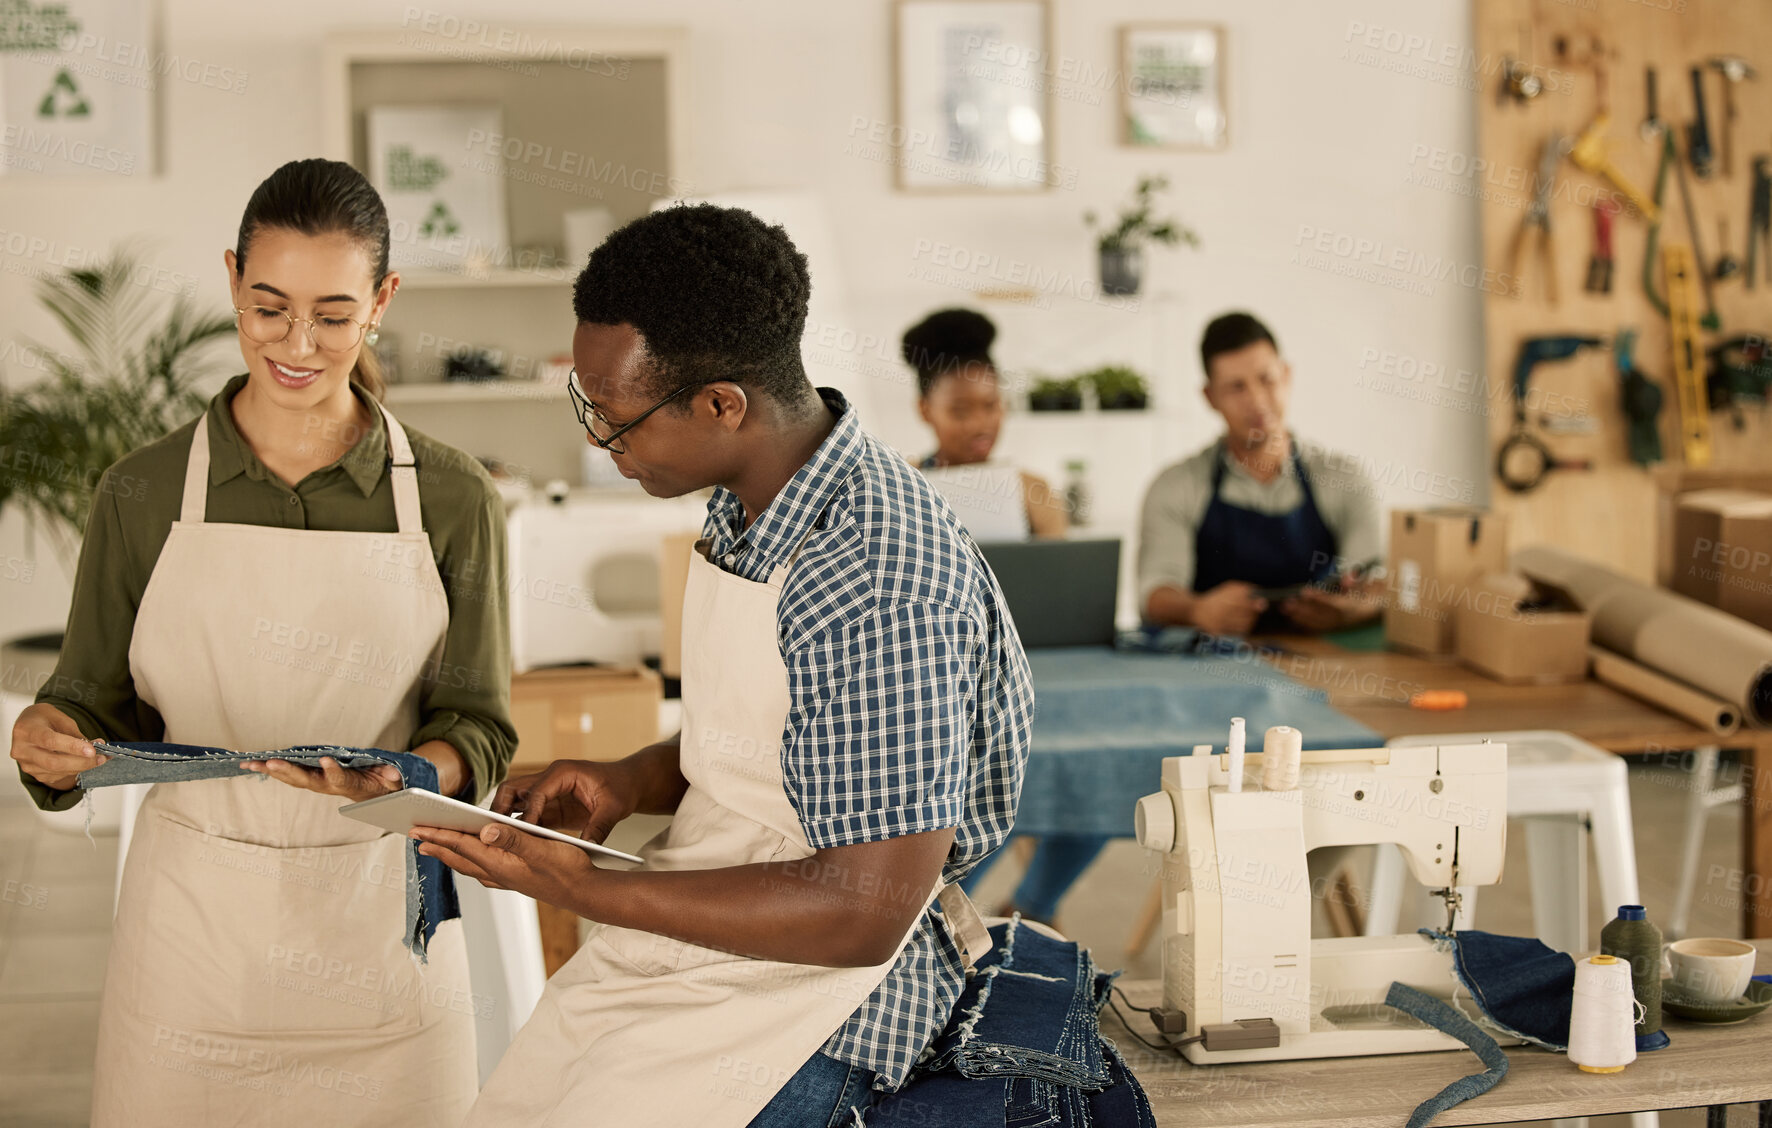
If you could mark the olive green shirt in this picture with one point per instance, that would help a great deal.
(138, 499)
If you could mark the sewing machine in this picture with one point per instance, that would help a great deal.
(1236, 928)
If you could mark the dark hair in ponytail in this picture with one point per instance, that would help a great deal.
(322, 197)
(947, 341)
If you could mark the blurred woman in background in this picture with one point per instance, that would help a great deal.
(960, 396)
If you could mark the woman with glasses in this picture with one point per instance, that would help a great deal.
(290, 568)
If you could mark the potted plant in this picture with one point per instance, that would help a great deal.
(132, 381)
(1121, 245)
(1118, 388)
(1056, 394)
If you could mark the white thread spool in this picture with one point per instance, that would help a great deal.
(1234, 752)
(1603, 1019)
(1282, 749)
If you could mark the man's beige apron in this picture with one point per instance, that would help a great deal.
(639, 1029)
(256, 973)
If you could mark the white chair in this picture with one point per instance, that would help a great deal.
(499, 928)
(1565, 791)
(1702, 793)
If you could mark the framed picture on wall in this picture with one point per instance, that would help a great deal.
(446, 200)
(1172, 93)
(972, 111)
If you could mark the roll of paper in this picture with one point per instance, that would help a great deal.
(1663, 692)
(1682, 639)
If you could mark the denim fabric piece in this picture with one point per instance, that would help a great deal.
(1442, 1017)
(1524, 987)
(1123, 1103)
(1030, 1011)
(430, 885)
(822, 1084)
(1023, 1048)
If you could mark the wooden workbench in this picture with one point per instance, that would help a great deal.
(1705, 1065)
(1373, 687)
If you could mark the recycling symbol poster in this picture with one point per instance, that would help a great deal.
(77, 84)
(445, 194)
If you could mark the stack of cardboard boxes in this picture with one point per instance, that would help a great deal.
(1451, 593)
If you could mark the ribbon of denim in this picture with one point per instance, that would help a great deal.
(1442, 1017)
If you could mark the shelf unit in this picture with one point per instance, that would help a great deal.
(585, 110)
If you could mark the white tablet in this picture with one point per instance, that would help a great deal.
(400, 811)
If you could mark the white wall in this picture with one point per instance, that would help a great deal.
(1325, 133)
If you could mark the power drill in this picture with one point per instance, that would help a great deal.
(1536, 350)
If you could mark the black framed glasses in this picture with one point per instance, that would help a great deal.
(267, 326)
(597, 426)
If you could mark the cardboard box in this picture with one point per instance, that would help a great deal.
(583, 713)
(1673, 481)
(1434, 554)
(1723, 551)
(673, 581)
(1516, 631)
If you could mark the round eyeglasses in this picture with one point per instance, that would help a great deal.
(268, 326)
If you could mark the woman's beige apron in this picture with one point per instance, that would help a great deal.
(639, 1029)
(256, 974)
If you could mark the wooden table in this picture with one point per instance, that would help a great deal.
(1705, 1066)
(1373, 688)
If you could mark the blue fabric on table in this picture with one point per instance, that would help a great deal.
(430, 885)
(1524, 987)
(1023, 1048)
(1442, 1017)
(1104, 719)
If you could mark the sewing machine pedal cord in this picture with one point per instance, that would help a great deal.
(1243, 1034)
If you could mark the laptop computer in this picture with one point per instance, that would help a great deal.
(1060, 592)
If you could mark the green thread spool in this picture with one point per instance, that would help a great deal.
(1633, 938)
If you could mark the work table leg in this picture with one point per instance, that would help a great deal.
(1756, 843)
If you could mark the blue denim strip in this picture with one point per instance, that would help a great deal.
(1442, 1017)
(430, 885)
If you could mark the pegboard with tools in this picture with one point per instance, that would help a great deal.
(1627, 146)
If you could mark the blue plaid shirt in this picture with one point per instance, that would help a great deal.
(910, 696)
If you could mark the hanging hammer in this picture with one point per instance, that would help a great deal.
(1734, 69)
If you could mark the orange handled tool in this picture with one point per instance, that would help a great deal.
(1440, 700)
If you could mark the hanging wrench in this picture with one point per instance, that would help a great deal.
(1652, 123)
(1698, 133)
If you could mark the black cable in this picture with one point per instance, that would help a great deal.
(1173, 1044)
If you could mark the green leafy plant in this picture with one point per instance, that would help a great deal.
(1056, 393)
(1135, 225)
(131, 381)
(1117, 386)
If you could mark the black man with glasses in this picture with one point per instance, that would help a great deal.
(856, 712)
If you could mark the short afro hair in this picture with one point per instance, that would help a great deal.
(1230, 332)
(947, 341)
(716, 294)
